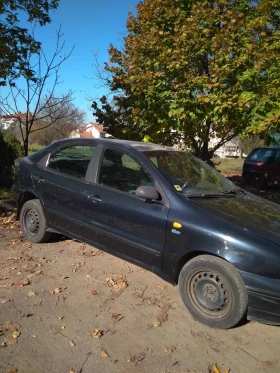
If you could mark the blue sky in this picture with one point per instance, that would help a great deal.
(91, 25)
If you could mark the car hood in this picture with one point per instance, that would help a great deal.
(247, 211)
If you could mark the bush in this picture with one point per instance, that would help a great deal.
(10, 151)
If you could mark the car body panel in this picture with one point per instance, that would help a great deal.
(144, 232)
(267, 167)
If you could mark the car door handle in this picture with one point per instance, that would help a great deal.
(95, 198)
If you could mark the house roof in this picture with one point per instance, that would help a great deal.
(86, 135)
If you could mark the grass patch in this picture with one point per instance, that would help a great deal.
(5, 193)
(34, 148)
(229, 164)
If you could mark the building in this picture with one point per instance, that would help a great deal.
(8, 120)
(90, 130)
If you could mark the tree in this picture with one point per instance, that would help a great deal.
(248, 143)
(62, 125)
(16, 42)
(39, 102)
(194, 70)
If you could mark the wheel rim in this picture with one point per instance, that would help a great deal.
(209, 293)
(31, 221)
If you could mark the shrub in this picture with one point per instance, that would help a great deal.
(10, 151)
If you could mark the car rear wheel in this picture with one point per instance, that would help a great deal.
(33, 222)
(213, 291)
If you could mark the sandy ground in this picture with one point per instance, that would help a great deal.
(56, 298)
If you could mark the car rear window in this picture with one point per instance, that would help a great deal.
(261, 155)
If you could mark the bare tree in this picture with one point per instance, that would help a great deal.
(62, 125)
(40, 104)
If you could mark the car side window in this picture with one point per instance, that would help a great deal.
(121, 170)
(73, 160)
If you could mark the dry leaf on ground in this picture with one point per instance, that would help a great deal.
(157, 324)
(31, 294)
(169, 349)
(104, 353)
(162, 317)
(217, 370)
(118, 281)
(59, 290)
(72, 344)
(13, 371)
(22, 282)
(93, 292)
(115, 315)
(15, 334)
(97, 333)
(4, 300)
(137, 358)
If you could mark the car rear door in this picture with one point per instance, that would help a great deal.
(116, 218)
(62, 184)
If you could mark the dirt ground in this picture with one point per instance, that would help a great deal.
(68, 307)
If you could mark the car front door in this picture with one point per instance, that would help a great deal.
(116, 218)
(62, 184)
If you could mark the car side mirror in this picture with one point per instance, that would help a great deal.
(147, 192)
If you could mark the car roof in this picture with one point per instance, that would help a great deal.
(141, 146)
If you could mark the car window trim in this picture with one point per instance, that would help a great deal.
(86, 179)
(95, 173)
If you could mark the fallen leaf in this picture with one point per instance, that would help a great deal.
(4, 300)
(137, 358)
(19, 273)
(97, 333)
(13, 371)
(59, 290)
(157, 324)
(22, 283)
(118, 281)
(88, 276)
(15, 334)
(62, 328)
(168, 349)
(115, 315)
(31, 294)
(93, 292)
(217, 370)
(60, 317)
(162, 317)
(71, 371)
(104, 353)
(72, 344)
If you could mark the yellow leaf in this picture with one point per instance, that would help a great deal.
(15, 334)
(104, 353)
(97, 333)
(215, 369)
(157, 324)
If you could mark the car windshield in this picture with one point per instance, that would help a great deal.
(189, 175)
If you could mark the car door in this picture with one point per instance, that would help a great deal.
(116, 218)
(62, 184)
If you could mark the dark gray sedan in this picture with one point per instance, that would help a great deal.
(162, 209)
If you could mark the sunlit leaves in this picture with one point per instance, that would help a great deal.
(199, 68)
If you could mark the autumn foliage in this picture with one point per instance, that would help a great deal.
(199, 68)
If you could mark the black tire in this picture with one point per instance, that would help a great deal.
(33, 222)
(213, 291)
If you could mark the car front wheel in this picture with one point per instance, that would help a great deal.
(213, 291)
(33, 222)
